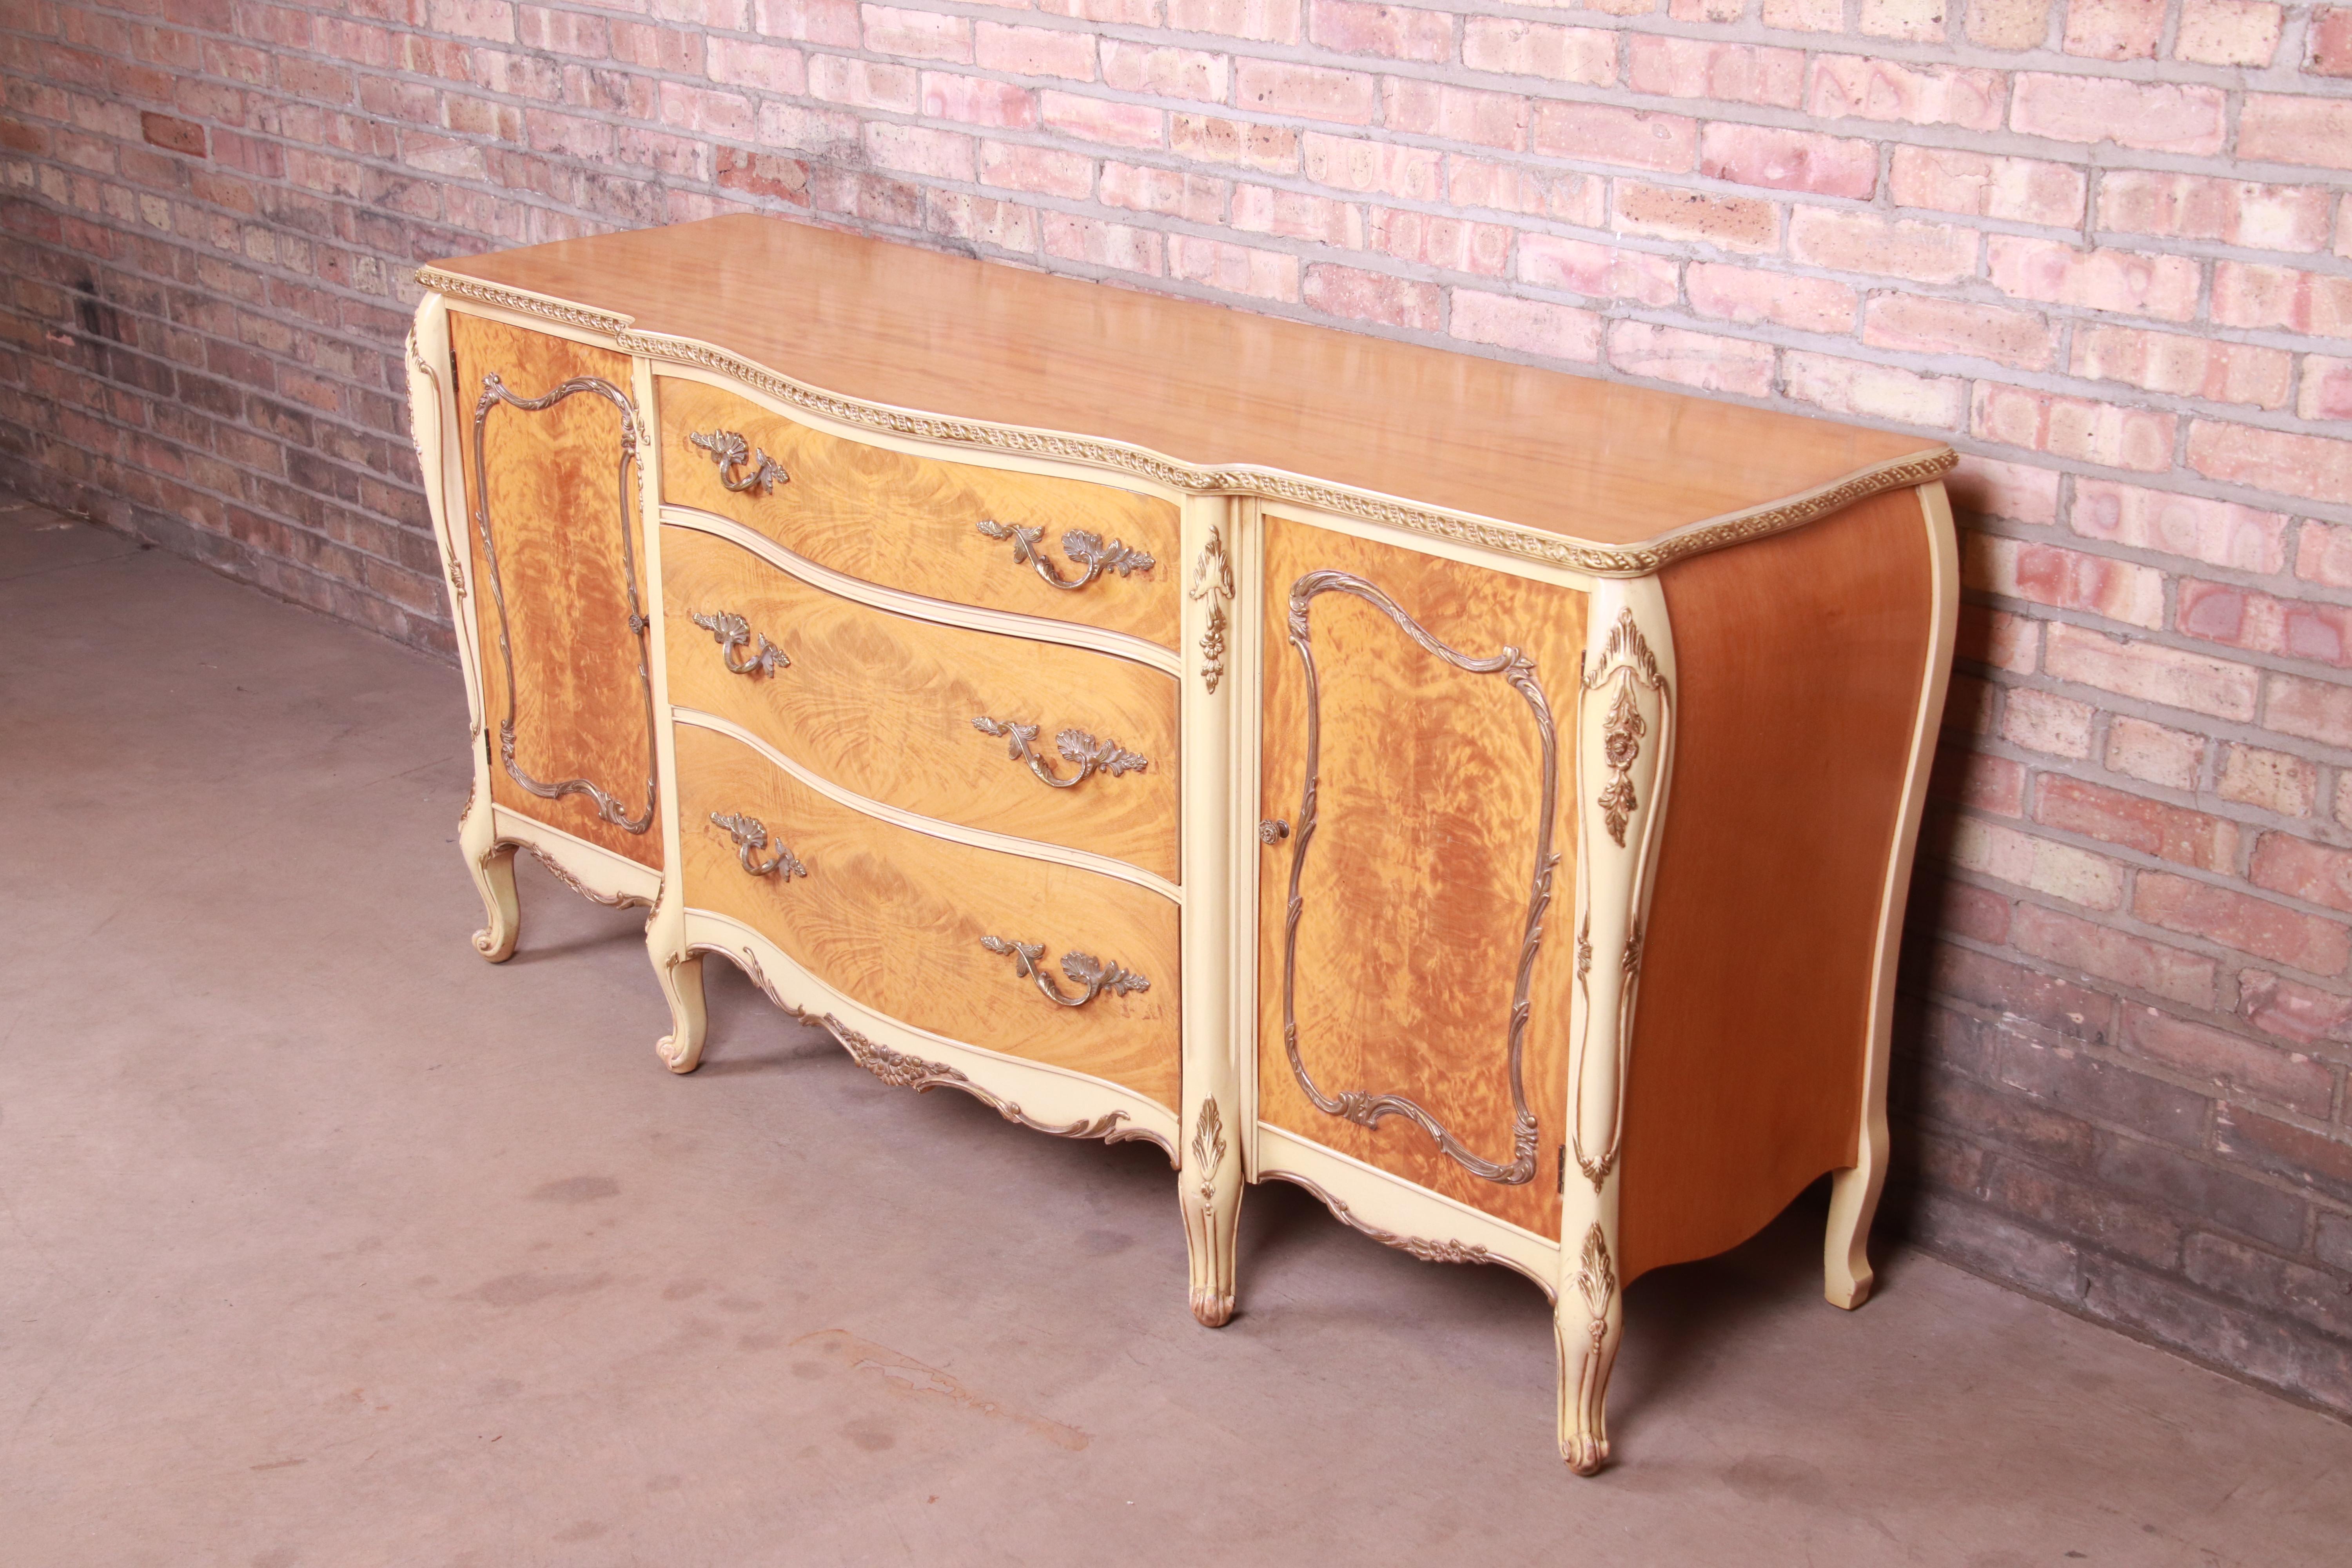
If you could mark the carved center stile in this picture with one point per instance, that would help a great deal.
(1363, 1106)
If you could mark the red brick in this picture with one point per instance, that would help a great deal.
(1918, 21)
(1310, 92)
(865, 84)
(2152, 117)
(1453, 243)
(1394, 32)
(2326, 388)
(1858, 87)
(1267, 21)
(809, 21)
(1166, 72)
(2009, 23)
(1579, 199)
(1800, 16)
(1601, 133)
(1745, 295)
(917, 34)
(1456, 113)
(1789, 160)
(2092, 948)
(2045, 721)
(1978, 913)
(2330, 52)
(1986, 487)
(2123, 280)
(2031, 860)
(1596, 270)
(2233, 212)
(1296, 214)
(2066, 579)
(982, 220)
(2291, 1010)
(1692, 359)
(2228, 32)
(762, 174)
(1510, 48)
(2315, 1159)
(2020, 993)
(1375, 297)
(1033, 51)
(2231, 1060)
(2314, 710)
(1527, 326)
(1198, 198)
(2302, 869)
(2324, 555)
(1122, 246)
(1998, 639)
(2236, 921)
(1383, 168)
(2246, 295)
(2023, 190)
(1101, 120)
(1729, 223)
(2315, 467)
(1921, 323)
(1865, 242)
(2241, 617)
(2114, 30)
(1868, 391)
(1975, 779)
(758, 66)
(2105, 433)
(977, 101)
(2151, 671)
(2220, 534)
(1044, 170)
(1235, 268)
(1271, 148)
(2312, 131)
(2185, 366)
(2151, 751)
(2150, 826)
(2272, 781)
(1700, 68)
(178, 135)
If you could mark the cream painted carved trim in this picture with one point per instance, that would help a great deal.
(1218, 591)
(1511, 539)
(901, 1069)
(1418, 1246)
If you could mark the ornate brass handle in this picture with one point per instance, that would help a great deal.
(731, 631)
(1087, 549)
(1076, 745)
(1083, 969)
(750, 835)
(1273, 830)
(731, 451)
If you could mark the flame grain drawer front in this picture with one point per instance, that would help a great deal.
(899, 922)
(966, 726)
(1030, 543)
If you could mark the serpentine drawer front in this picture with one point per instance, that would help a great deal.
(1032, 739)
(1481, 795)
(1038, 545)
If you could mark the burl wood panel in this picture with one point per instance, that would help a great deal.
(557, 508)
(894, 918)
(1200, 383)
(1802, 659)
(882, 705)
(911, 522)
(1414, 895)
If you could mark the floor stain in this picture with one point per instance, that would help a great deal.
(586, 1530)
(1760, 1477)
(576, 1190)
(909, 1378)
(524, 1290)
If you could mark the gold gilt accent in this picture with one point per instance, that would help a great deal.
(1626, 655)
(1596, 1281)
(1209, 1149)
(1418, 1246)
(1461, 528)
(1219, 592)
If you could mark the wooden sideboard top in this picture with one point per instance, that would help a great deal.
(1207, 386)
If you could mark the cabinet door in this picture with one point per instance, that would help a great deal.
(552, 444)
(1415, 949)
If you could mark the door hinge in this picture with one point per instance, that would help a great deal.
(1559, 1176)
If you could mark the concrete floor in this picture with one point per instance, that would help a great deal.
(322, 1241)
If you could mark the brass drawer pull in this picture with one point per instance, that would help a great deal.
(1083, 969)
(1087, 549)
(731, 631)
(731, 451)
(1273, 830)
(750, 835)
(1076, 745)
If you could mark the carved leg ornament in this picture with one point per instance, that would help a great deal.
(1625, 731)
(1209, 1190)
(491, 864)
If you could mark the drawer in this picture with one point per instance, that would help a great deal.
(917, 523)
(884, 706)
(895, 918)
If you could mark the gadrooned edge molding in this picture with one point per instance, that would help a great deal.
(1269, 484)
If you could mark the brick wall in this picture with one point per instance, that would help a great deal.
(2098, 244)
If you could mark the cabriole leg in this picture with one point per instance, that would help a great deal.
(1588, 1322)
(491, 864)
(1846, 1273)
(1209, 1190)
(680, 974)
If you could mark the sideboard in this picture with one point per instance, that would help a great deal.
(1480, 795)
